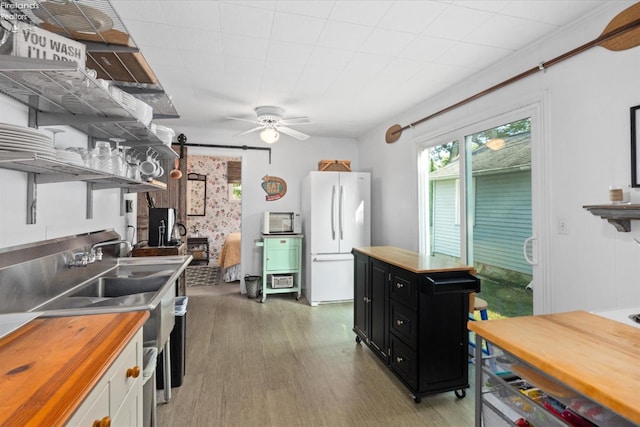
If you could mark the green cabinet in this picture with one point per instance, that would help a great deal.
(281, 265)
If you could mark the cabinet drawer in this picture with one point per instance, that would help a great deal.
(404, 287)
(121, 383)
(403, 323)
(282, 254)
(403, 361)
(94, 407)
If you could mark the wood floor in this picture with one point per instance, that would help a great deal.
(284, 363)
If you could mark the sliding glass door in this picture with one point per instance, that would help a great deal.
(476, 207)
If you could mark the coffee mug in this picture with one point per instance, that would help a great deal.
(149, 166)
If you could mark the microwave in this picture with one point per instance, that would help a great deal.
(281, 223)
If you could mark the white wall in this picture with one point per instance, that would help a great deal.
(61, 207)
(291, 160)
(584, 148)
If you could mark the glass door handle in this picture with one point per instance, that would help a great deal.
(532, 243)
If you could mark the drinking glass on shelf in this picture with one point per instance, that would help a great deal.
(104, 159)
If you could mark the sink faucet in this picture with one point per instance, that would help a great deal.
(82, 259)
(96, 249)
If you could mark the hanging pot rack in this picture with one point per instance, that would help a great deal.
(623, 32)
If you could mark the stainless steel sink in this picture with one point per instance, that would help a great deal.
(117, 286)
(133, 284)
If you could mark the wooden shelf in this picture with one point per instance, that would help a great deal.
(618, 215)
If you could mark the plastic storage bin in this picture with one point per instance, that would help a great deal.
(149, 357)
(177, 347)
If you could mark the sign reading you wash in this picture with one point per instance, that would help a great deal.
(34, 42)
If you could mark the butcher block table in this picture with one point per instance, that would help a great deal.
(596, 357)
(49, 366)
(413, 261)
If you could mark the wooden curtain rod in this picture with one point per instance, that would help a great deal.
(394, 132)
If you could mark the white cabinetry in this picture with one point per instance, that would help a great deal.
(118, 395)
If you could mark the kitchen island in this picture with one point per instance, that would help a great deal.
(411, 310)
(586, 362)
(53, 370)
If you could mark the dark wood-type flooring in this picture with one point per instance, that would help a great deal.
(284, 363)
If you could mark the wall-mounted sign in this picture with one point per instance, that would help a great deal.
(35, 42)
(275, 187)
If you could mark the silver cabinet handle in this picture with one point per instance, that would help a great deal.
(399, 322)
(399, 359)
(399, 285)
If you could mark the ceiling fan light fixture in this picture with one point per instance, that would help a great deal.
(269, 135)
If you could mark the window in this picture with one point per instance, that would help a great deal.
(234, 181)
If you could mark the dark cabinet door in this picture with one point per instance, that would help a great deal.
(361, 306)
(443, 341)
(378, 301)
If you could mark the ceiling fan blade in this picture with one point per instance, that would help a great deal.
(292, 132)
(250, 130)
(295, 121)
(242, 120)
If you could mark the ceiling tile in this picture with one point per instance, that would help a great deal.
(455, 23)
(243, 68)
(294, 53)
(424, 48)
(146, 34)
(207, 42)
(411, 16)
(362, 12)
(472, 56)
(202, 15)
(341, 35)
(386, 42)
(326, 57)
(538, 10)
(295, 28)
(246, 21)
(244, 47)
(317, 9)
(366, 63)
(522, 31)
(145, 11)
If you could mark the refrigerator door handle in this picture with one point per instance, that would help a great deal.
(341, 218)
(333, 213)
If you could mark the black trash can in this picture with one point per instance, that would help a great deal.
(177, 347)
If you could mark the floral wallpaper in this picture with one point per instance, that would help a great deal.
(222, 216)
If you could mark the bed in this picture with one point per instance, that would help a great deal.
(229, 259)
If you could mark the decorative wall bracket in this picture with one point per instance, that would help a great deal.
(619, 216)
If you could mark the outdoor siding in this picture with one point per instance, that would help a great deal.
(446, 233)
(502, 220)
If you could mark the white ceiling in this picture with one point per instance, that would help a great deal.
(348, 65)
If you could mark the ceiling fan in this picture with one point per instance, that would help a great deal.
(271, 124)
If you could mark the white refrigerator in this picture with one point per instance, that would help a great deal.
(336, 217)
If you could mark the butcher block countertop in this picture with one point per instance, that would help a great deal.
(597, 357)
(412, 261)
(48, 366)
